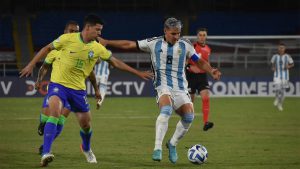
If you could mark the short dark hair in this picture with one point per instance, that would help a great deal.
(281, 44)
(71, 22)
(92, 19)
(202, 29)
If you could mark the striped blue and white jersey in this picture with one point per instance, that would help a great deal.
(102, 71)
(168, 61)
(281, 63)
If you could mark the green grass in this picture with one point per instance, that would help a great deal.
(249, 133)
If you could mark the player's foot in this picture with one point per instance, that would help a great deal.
(275, 102)
(208, 125)
(157, 155)
(89, 155)
(280, 108)
(46, 159)
(41, 150)
(172, 152)
(41, 129)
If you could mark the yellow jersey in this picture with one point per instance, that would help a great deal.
(53, 58)
(77, 60)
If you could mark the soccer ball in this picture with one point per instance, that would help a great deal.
(197, 154)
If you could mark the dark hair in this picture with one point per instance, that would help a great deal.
(92, 19)
(71, 22)
(202, 29)
(281, 44)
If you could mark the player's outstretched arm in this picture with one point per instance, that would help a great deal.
(123, 66)
(122, 44)
(214, 72)
(41, 74)
(27, 70)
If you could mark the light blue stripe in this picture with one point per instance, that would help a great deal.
(157, 58)
(188, 117)
(106, 68)
(97, 70)
(169, 65)
(167, 110)
(285, 71)
(181, 65)
(280, 66)
(101, 67)
(276, 67)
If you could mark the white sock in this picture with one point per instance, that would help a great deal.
(161, 129)
(181, 129)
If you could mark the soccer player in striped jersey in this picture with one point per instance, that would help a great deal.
(168, 56)
(197, 78)
(51, 59)
(79, 53)
(102, 72)
(281, 63)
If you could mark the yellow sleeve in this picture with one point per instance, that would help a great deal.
(104, 53)
(51, 57)
(60, 41)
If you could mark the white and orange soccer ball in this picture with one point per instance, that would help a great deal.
(197, 154)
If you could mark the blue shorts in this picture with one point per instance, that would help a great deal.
(46, 99)
(75, 98)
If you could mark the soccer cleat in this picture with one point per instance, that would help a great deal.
(157, 155)
(172, 152)
(280, 108)
(41, 129)
(46, 159)
(89, 155)
(276, 102)
(41, 150)
(208, 125)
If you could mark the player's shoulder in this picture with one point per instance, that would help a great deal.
(185, 40)
(153, 39)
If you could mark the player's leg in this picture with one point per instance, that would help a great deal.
(102, 88)
(80, 105)
(61, 122)
(184, 108)
(161, 125)
(281, 97)
(277, 82)
(43, 116)
(206, 109)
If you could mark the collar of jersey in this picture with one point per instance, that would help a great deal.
(81, 39)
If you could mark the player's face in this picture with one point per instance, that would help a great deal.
(72, 29)
(94, 31)
(172, 35)
(281, 49)
(202, 37)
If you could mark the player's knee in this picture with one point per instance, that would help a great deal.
(167, 110)
(188, 118)
(61, 120)
(163, 118)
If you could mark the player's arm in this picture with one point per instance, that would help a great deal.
(202, 64)
(123, 66)
(41, 74)
(290, 65)
(273, 68)
(27, 70)
(92, 79)
(122, 44)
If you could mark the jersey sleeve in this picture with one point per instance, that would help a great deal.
(144, 45)
(60, 41)
(192, 54)
(104, 54)
(50, 57)
(290, 60)
(273, 59)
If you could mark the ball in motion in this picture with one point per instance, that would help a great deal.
(197, 154)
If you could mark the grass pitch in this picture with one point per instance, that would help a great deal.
(249, 133)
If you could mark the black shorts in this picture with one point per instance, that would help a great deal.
(196, 82)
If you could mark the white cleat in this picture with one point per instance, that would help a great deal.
(46, 159)
(275, 102)
(280, 107)
(89, 155)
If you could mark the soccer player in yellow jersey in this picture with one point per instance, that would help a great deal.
(70, 27)
(79, 53)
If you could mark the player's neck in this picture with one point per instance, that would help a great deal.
(84, 38)
(201, 43)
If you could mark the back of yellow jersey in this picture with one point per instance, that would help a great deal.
(77, 59)
(53, 58)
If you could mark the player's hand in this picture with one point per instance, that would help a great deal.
(37, 85)
(146, 75)
(26, 71)
(98, 99)
(102, 41)
(216, 74)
